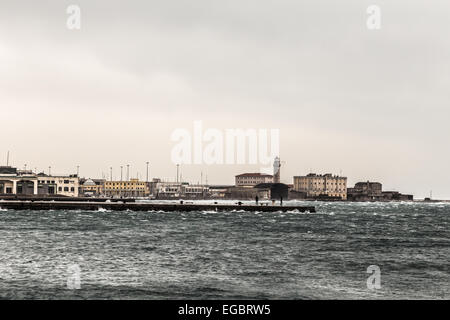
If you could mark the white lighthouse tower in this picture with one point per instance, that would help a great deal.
(276, 170)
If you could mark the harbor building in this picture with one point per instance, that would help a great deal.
(170, 190)
(166, 189)
(195, 191)
(60, 185)
(23, 182)
(365, 191)
(373, 191)
(14, 181)
(131, 188)
(321, 186)
(252, 179)
(92, 187)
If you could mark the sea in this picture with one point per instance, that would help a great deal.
(379, 250)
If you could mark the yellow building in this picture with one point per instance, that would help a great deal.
(132, 188)
(321, 185)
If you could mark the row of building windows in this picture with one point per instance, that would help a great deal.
(124, 184)
(66, 189)
(124, 188)
(328, 183)
(60, 181)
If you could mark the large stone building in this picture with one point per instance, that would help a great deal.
(23, 182)
(252, 179)
(365, 191)
(13, 181)
(131, 188)
(373, 191)
(321, 186)
(60, 185)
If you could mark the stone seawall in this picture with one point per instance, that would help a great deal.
(120, 206)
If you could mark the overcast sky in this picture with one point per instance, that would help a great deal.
(370, 104)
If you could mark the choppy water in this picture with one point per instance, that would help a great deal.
(155, 255)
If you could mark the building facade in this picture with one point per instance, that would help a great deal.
(93, 187)
(252, 179)
(317, 186)
(195, 191)
(365, 191)
(13, 181)
(22, 182)
(131, 188)
(68, 186)
(373, 191)
(168, 190)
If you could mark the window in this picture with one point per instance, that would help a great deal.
(66, 189)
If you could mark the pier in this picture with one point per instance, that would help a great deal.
(139, 206)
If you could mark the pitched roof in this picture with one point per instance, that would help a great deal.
(257, 174)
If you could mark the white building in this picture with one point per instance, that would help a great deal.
(62, 185)
(13, 181)
(20, 182)
(167, 189)
(195, 190)
(164, 189)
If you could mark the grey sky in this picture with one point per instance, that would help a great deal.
(374, 104)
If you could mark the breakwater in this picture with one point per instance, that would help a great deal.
(136, 206)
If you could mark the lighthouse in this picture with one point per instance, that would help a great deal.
(276, 170)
